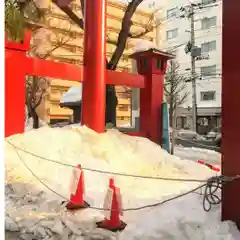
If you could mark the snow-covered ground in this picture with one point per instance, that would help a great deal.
(194, 154)
(27, 200)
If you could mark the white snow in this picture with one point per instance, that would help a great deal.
(194, 154)
(142, 45)
(29, 124)
(27, 200)
(74, 94)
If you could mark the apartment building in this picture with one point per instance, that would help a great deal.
(66, 39)
(208, 29)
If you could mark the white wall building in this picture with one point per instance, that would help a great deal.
(175, 34)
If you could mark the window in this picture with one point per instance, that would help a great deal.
(172, 33)
(171, 13)
(208, 47)
(208, 96)
(123, 107)
(208, 70)
(205, 2)
(209, 22)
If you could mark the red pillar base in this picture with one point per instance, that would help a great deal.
(73, 206)
(105, 224)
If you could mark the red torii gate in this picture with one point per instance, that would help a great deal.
(151, 65)
(17, 66)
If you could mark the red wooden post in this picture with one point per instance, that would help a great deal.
(231, 109)
(94, 86)
(15, 70)
(152, 64)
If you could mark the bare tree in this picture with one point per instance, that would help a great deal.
(45, 42)
(175, 84)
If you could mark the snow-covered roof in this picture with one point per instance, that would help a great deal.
(74, 94)
(142, 45)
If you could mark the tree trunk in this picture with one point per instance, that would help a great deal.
(33, 100)
(111, 105)
(35, 120)
(171, 115)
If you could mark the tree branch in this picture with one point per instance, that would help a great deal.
(70, 14)
(40, 99)
(124, 33)
(139, 35)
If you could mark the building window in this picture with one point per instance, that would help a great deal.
(205, 2)
(209, 22)
(208, 47)
(172, 33)
(171, 13)
(208, 96)
(123, 107)
(209, 70)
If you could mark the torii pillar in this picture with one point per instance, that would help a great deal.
(231, 109)
(94, 75)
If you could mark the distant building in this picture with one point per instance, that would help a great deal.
(60, 28)
(208, 31)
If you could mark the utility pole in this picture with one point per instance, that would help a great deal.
(195, 52)
(193, 69)
(192, 49)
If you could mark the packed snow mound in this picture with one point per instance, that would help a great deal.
(28, 200)
(74, 94)
(111, 151)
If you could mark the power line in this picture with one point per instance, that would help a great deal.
(103, 171)
(209, 197)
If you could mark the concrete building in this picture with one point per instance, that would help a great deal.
(60, 31)
(208, 29)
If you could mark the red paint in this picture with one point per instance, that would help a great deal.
(135, 134)
(94, 74)
(14, 92)
(231, 109)
(151, 96)
(24, 46)
(216, 169)
(125, 79)
(39, 67)
(15, 86)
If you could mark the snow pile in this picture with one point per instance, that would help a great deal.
(27, 200)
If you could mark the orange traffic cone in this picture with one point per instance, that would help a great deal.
(216, 169)
(113, 203)
(77, 190)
